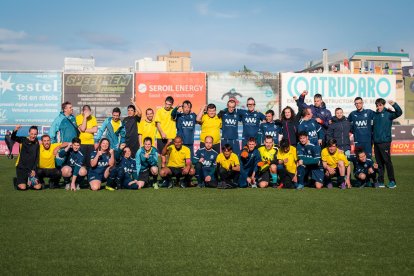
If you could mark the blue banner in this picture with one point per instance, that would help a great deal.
(30, 98)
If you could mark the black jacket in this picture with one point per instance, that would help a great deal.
(29, 152)
(339, 130)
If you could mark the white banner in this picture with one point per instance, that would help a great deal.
(338, 90)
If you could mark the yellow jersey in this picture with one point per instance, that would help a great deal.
(210, 127)
(166, 122)
(116, 125)
(292, 158)
(86, 138)
(332, 159)
(46, 157)
(147, 129)
(177, 158)
(225, 163)
(267, 155)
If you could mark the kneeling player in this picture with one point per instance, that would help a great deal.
(102, 161)
(147, 161)
(205, 164)
(228, 168)
(309, 162)
(287, 159)
(72, 165)
(179, 164)
(125, 172)
(267, 171)
(365, 169)
(336, 164)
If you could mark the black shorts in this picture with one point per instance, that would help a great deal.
(161, 144)
(144, 176)
(263, 176)
(176, 171)
(87, 151)
(22, 175)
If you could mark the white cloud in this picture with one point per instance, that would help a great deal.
(9, 35)
(204, 9)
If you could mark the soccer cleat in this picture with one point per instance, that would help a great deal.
(379, 185)
(109, 188)
(392, 185)
(155, 185)
(201, 185)
(300, 187)
(343, 186)
(280, 186)
(254, 186)
(182, 184)
(67, 187)
(329, 185)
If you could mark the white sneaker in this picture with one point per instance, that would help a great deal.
(254, 186)
(77, 187)
(67, 187)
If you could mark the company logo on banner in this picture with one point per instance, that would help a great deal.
(29, 98)
(151, 89)
(338, 90)
(102, 92)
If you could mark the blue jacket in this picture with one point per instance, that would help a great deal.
(209, 164)
(318, 112)
(127, 167)
(383, 122)
(314, 130)
(72, 159)
(310, 154)
(66, 126)
(144, 163)
(361, 125)
(339, 130)
(115, 138)
(273, 129)
(185, 125)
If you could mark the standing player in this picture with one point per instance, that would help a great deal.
(102, 161)
(249, 158)
(147, 128)
(185, 121)
(290, 124)
(309, 162)
(9, 144)
(382, 139)
(267, 171)
(165, 124)
(228, 168)
(311, 127)
(336, 164)
(205, 164)
(229, 126)
(28, 158)
(270, 128)
(72, 166)
(339, 130)
(319, 111)
(65, 124)
(87, 126)
(210, 125)
(361, 126)
(179, 164)
(251, 120)
(131, 127)
(287, 158)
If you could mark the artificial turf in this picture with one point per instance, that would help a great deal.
(208, 231)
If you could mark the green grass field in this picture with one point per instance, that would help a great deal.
(208, 231)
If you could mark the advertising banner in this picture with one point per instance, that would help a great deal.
(29, 98)
(338, 90)
(409, 98)
(151, 89)
(402, 147)
(263, 87)
(102, 92)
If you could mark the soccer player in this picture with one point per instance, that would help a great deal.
(87, 126)
(309, 162)
(205, 164)
(382, 139)
(229, 126)
(287, 168)
(65, 124)
(365, 169)
(179, 164)
(249, 158)
(126, 172)
(72, 166)
(147, 164)
(311, 127)
(114, 130)
(186, 122)
(228, 168)
(210, 125)
(336, 164)
(147, 128)
(9, 144)
(251, 120)
(361, 126)
(102, 161)
(319, 111)
(47, 167)
(131, 127)
(28, 158)
(267, 167)
(290, 124)
(165, 124)
(339, 130)
(270, 128)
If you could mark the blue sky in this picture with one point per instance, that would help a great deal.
(221, 35)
